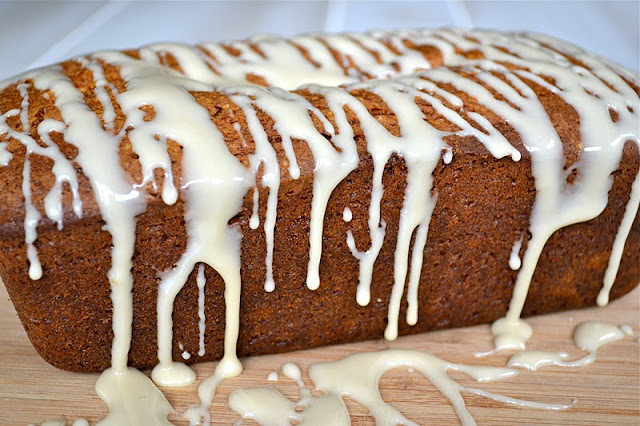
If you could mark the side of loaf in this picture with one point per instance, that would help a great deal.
(161, 205)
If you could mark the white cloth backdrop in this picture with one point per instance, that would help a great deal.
(37, 33)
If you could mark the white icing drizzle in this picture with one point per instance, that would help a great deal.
(421, 150)
(541, 140)
(5, 156)
(588, 336)
(558, 204)
(291, 115)
(345, 140)
(228, 68)
(532, 360)
(347, 215)
(254, 222)
(211, 239)
(618, 245)
(101, 86)
(156, 157)
(256, 404)
(282, 64)
(357, 376)
(185, 354)
(514, 259)
(62, 169)
(331, 166)
(273, 408)
(201, 281)
(521, 402)
(421, 146)
(31, 219)
(264, 156)
(272, 376)
(626, 329)
(132, 399)
(201, 414)
(118, 203)
(591, 335)
(292, 371)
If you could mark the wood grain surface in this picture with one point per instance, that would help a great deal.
(608, 391)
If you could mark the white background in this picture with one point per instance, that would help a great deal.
(37, 33)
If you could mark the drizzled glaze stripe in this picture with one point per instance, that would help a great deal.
(504, 65)
(358, 376)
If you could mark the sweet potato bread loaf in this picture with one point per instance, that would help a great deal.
(185, 203)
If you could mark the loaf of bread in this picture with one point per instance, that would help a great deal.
(181, 203)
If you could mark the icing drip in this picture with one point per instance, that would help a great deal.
(291, 113)
(31, 219)
(558, 204)
(421, 159)
(618, 245)
(588, 336)
(264, 156)
(62, 169)
(102, 89)
(211, 239)
(118, 203)
(514, 258)
(345, 140)
(254, 222)
(5, 156)
(273, 409)
(293, 372)
(268, 406)
(132, 399)
(591, 335)
(31, 216)
(421, 146)
(347, 215)
(201, 414)
(357, 376)
(626, 329)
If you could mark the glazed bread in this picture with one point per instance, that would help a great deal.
(313, 191)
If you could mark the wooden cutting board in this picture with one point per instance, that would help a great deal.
(608, 391)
